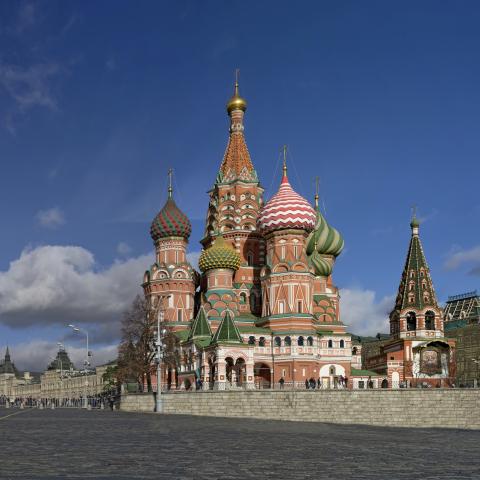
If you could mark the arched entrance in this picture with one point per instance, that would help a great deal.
(262, 375)
(229, 369)
(241, 372)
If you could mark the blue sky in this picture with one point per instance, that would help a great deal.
(98, 99)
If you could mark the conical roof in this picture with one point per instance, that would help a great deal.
(227, 331)
(416, 287)
(200, 326)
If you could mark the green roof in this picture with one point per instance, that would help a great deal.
(364, 373)
(253, 329)
(227, 331)
(182, 334)
(200, 326)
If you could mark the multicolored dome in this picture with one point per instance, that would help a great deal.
(324, 240)
(219, 255)
(286, 209)
(170, 222)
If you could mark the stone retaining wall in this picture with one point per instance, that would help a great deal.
(400, 408)
(138, 402)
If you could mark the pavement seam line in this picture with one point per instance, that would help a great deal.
(12, 414)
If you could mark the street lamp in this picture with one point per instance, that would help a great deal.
(158, 353)
(87, 363)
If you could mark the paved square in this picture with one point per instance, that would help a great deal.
(47, 444)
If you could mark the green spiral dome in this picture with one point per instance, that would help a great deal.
(219, 255)
(323, 240)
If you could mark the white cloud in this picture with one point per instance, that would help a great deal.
(51, 218)
(35, 355)
(362, 313)
(26, 18)
(458, 258)
(124, 249)
(30, 86)
(192, 258)
(58, 285)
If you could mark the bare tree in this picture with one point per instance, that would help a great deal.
(136, 351)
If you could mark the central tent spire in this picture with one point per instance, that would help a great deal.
(236, 162)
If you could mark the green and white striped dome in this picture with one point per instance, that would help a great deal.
(323, 240)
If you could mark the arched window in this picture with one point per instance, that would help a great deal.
(310, 341)
(411, 321)
(250, 259)
(278, 341)
(179, 315)
(430, 320)
(295, 248)
(332, 370)
(330, 344)
(288, 341)
(282, 249)
(251, 340)
(243, 298)
(342, 343)
(354, 350)
(300, 341)
(261, 342)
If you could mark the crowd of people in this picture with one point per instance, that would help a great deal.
(106, 400)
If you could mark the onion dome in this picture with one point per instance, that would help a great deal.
(170, 221)
(219, 255)
(286, 209)
(324, 241)
(236, 102)
(415, 223)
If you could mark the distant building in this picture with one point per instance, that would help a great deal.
(462, 322)
(10, 377)
(462, 310)
(60, 380)
(416, 351)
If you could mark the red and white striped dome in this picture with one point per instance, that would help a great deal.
(286, 209)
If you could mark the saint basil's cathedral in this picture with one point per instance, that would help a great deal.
(264, 310)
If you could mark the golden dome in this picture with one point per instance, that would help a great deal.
(236, 102)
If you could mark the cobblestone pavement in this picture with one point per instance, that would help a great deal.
(73, 444)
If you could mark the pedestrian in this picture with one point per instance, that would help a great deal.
(281, 382)
(307, 385)
(312, 383)
(319, 383)
(110, 401)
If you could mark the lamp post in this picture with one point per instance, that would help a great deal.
(87, 363)
(158, 353)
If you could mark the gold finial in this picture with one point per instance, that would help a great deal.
(170, 188)
(284, 160)
(236, 102)
(317, 182)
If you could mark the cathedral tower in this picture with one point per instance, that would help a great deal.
(171, 275)
(235, 200)
(287, 279)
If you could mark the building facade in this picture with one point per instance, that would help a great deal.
(60, 381)
(264, 309)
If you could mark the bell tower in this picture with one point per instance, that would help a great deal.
(416, 312)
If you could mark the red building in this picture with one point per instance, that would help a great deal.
(264, 310)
